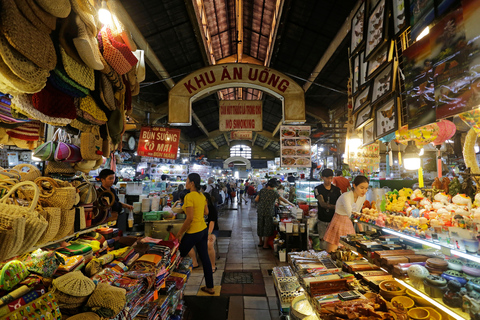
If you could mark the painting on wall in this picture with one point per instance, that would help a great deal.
(380, 60)
(358, 31)
(363, 117)
(377, 30)
(362, 99)
(400, 16)
(384, 82)
(386, 118)
(368, 133)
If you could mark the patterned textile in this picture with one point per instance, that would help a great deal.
(265, 212)
(339, 227)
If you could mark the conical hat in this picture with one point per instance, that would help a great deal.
(23, 36)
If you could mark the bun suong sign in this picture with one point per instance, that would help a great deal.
(240, 115)
(158, 142)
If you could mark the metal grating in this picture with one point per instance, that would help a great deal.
(237, 278)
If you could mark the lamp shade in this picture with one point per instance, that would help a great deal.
(446, 130)
(411, 160)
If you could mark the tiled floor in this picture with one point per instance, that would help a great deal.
(237, 253)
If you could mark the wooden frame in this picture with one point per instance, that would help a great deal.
(384, 82)
(363, 69)
(355, 62)
(386, 117)
(357, 28)
(380, 60)
(400, 16)
(369, 133)
(362, 99)
(363, 117)
(377, 30)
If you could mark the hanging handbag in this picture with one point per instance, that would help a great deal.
(66, 151)
(102, 207)
(87, 191)
(11, 274)
(46, 151)
(91, 144)
(59, 168)
(53, 217)
(54, 195)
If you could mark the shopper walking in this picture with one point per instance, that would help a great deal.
(327, 195)
(194, 231)
(341, 182)
(347, 203)
(242, 193)
(266, 210)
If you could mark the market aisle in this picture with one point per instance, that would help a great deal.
(239, 253)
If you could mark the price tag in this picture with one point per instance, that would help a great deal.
(163, 285)
(446, 251)
(155, 295)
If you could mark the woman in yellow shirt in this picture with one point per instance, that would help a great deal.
(194, 230)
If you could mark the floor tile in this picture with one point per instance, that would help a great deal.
(251, 266)
(255, 302)
(232, 289)
(252, 314)
(272, 303)
(235, 308)
(275, 314)
(254, 289)
(233, 266)
(250, 260)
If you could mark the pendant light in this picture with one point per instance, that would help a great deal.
(104, 14)
(411, 160)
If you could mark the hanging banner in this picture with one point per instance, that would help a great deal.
(241, 135)
(158, 142)
(295, 146)
(240, 115)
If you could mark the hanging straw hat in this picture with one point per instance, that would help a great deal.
(140, 54)
(87, 46)
(19, 85)
(89, 105)
(79, 72)
(113, 56)
(54, 103)
(23, 102)
(68, 31)
(87, 13)
(23, 36)
(106, 92)
(65, 87)
(123, 48)
(112, 75)
(57, 8)
(21, 66)
(42, 20)
(60, 72)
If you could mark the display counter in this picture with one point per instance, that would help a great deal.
(161, 229)
(392, 183)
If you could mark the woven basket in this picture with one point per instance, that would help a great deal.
(10, 174)
(55, 196)
(34, 223)
(61, 168)
(67, 220)
(53, 216)
(30, 175)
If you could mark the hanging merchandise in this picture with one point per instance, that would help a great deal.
(424, 135)
(446, 130)
(91, 144)
(66, 151)
(469, 153)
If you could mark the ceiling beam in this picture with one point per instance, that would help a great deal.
(245, 59)
(265, 146)
(192, 13)
(201, 14)
(239, 29)
(332, 48)
(213, 143)
(227, 139)
(277, 128)
(200, 124)
(273, 30)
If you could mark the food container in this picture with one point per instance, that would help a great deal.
(295, 228)
(406, 302)
(471, 245)
(434, 291)
(472, 269)
(302, 227)
(418, 314)
(289, 227)
(455, 264)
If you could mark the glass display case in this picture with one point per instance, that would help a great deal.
(304, 191)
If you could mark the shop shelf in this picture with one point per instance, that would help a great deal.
(456, 313)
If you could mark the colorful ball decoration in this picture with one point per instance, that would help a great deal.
(446, 130)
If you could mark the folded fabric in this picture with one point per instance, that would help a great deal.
(107, 275)
(71, 263)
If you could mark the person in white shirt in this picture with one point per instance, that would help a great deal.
(210, 185)
(348, 202)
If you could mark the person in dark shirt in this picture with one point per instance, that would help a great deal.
(176, 194)
(107, 178)
(326, 195)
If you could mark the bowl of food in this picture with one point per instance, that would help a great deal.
(403, 301)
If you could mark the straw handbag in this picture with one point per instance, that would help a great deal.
(176, 208)
(54, 195)
(91, 144)
(59, 168)
(87, 191)
(10, 174)
(27, 223)
(67, 221)
(27, 172)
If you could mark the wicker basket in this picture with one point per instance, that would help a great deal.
(67, 220)
(53, 216)
(10, 174)
(30, 175)
(54, 195)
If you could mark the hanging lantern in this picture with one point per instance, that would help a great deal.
(472, 118)
(424, 135)
(446, 130)
(401, 135)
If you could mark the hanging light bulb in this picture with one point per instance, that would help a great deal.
(411, 160)
(104, 14)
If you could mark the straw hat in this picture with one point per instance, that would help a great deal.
(89, 105)
(106, 92)
(13, 81)
(36, 17)
(23, 102)
(68, 31)
(64, 77)
(79, 72)
(87, 46)
(85, 316)
(122, 31)
(54, 103)
(113, 56)
(21, 66)
(112, 75)
(23, 36)
(65, 87)
(75, 284)
(87, 13)
(107, 300)
(57, 8)
(123, 48)
(140, 54)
